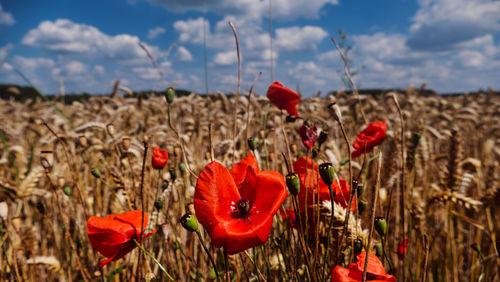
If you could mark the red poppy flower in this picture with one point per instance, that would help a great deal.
(308, 133)
(237, 207)
(402, 249)
(113, 235)
(283, 98)
(159, 158)
(370, 137)
(306, 184)
(375, 270)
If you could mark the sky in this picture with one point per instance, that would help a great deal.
(451, 45)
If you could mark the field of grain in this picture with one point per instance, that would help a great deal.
(437, 176)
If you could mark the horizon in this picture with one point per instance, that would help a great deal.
(452, 46)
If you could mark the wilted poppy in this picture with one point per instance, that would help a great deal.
(370, 137)
(308, 133)
(159, 158)
(375, 270)
(237, 207)
(113, 235)
(283, 98)
(310, 186)
(402, 249)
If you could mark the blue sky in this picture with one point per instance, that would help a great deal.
(452, 45)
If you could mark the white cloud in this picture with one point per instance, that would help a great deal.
(6, 18)
(4, 51)
(183, 54)
(99, 69)
(66, 36)
(33, 63)
(283, 9)
(297, 38)
(155, 32)
(75, 68)
(225, 58)
(442, 24)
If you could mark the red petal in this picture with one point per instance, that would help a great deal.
(244, 176)
(370, 137)
(283, 98)
(342, 193)
(341, 274)
(374, 265)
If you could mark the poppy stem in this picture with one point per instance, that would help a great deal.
(208, 254)
(154, 259)
(391, 269)
(303, 244)
(327, 249)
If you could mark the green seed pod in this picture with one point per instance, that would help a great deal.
(158, 204)
(293, 183)
(182, 168)
(211, 274)
(96, 172)
(378, 251)
(67, 190)
(327, 173)
(358, 246)
(170, 95)
(381, 226)
(252, 143)
(189, 222)
(344, 160)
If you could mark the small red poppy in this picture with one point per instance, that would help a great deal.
(375, 270)
(283, 98)
(113, 235)
(402, 249)
(306, 184)
(370, 137)
(308, 133)
(159, 158)
(237, 207)
(289, 216)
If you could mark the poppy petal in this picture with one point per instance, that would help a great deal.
(283, 98)
(244, 176)
(270, 192)
(341, 274)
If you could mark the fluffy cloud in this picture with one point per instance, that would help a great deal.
(155, 32)
(183, 54)
(65, 36)
(288, 9)
(296, 38)
(440, 25)
(6, 18)
(4, 51)
(225, 58)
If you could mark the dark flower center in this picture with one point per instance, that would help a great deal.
(243, 206)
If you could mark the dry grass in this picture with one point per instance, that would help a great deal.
(451, 182)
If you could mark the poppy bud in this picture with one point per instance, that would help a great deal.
(252, 143)
(158, 204)
(344, 160)
(67, 190)
(293, 183)
(378, 251)
(381, 226)
(182, 168)
(96, 172)
(173, 174)
(358, 247)
(322, 137)
(243, 206)
(189, 222)
(358, 187)
(327, 173)
(170, 95)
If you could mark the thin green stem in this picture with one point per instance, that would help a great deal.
(391, 269)
(208, 254)
(154, 259)
(325, 257)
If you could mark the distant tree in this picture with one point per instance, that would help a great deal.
(346, 49)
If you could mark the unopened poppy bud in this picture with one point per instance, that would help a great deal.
(252, 143)
(170, 95)
(182, 168)
(189, 222)
(243, 206)
(158, 204)
(358, 247)
(96, 172)
(381, 226)
(67, 190)
(322, 137)
(327, 173)
(378, 251)
(173, 174)
(293, 183)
